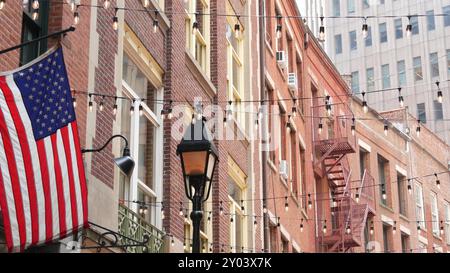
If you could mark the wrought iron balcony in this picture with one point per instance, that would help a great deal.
(135, 227)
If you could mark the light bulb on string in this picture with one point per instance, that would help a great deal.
(279, 27)
(386, 128)
(141, 109)
(181, 209)
(353, 127)
(383, 192)
(401, 100)
(74, 102)
(169, 112)
(255, 223)
(294, 108)
(172, 241)
(35, 14)
(145, 3)
(237, 28)
(115, 20)
(193, 119)
(309, 201)
(264, 209)
(76, 17)
(348, 229)
(288, 125)
(442, 228)
(132, 108)
(195, 25)
(365, 29)
(438, 182)
(286, 204)
(162, 211)
(409, 28)
(101, 105)
(242, 206)
(320, 129)
(321, 30)
(364, 103)
(394, 228)
(301, 225)
(371, 228)
(324, 228)
(418, 129)
(155, 22)
(72, 5)
(409, 187)
(357, 195)
(115, 106)
(106, 4)
(419, 229)
(91, 104)
(440, 97)
(2, 4)
(221, 208)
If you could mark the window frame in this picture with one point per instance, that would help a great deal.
(419, 205)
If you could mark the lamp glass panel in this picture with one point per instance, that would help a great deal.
(211, 163)
(194, 162)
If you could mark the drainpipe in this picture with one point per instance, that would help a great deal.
(264, 125)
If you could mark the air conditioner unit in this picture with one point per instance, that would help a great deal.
(282, 59)
(284, 169)
(292, 82)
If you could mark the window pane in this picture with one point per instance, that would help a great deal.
(386, 76)
(147, 214)
(438, 112)
(446, 11)
(398, 28)
(401, 71)
(336, 8)
(421, 112)
(431, 23)
(368, 40)
(434, 63)
(353, 43)
(383, 33)
(365, 4)
(146, 152)
(448, 61)
(417, 65)
(355, 82)
(338, 45)
(351, 6)
(415, 25)
(370, 79)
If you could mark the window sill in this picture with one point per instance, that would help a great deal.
(272, 165)
(403, 217)
(200, 74)
(386, 207)
(269, 47)
(436, 237)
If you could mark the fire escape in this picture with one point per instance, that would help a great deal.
(351, 200)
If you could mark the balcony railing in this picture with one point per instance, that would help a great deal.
(135, 227)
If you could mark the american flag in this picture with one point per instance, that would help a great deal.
(43, 194)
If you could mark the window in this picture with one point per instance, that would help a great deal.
(417, 66)
(401, 71)
(402, 195)
(387, 240)
(364, 163)
(415, 25)
(405, 243)
(438, 111)
(365, 4)
(338, 45)
(398, 28)
(145, 135)
(434, 65)
(383, 33)
(435, 214)
(303, 175)
(352, 38)
(447, 223)
(422, 113)
(383, 177)
(336, 8)
(446, 11)
(283, 137)
(386, 76)
(431, 23)
(293, 164)
(420, 210)
(355, 82)
(284, 245)
(448, 61)
(236, 194)
(351, 6)
(32, 29)
(235, 71)
(370, 79)
(368, 41)
(197, 42)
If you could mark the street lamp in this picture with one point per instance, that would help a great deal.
(125, 163)
(198, 160)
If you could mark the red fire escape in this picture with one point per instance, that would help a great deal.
(351, 200)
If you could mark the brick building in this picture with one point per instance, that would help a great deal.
(285, 186)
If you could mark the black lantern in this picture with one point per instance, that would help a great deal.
(199, 158)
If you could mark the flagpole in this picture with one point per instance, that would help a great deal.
(70, 29)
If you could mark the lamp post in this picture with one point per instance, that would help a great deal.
(198, 157)
(125, 162)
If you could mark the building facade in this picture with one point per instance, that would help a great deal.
(296, 172)
(387, 59)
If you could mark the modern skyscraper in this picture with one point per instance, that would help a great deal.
(388, 57)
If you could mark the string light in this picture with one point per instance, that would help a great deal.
(301, 225)
(162, 213)
(365, 28)
(195, 25)
(400, 98)
(221, 208)
(279, 222)
(286, 204)
(294, 108)
(418, 129)
(321, 30)
(439, 93)
(172, 242)
(101, 104)
(386, 128)
(72, 5)
(231, 218)
(438, 183)
(193, 119)
(357, 195)
(115, 20)
(181, 209)
(371, 228)
(91, 104)
(255, 223)
(364, 103)
(169, 112)
(209, 217)
(74, 102)
(409, 186)
(76, 17)
(35, 4)
(264, 209)
(35, 14)
(324, 228)
(186, 220)
(288, 124)
(115, 106)
(353, 127)
(409, 28)
(442, 228)
(309, 201)
(383, 192)
(141, 109)
(242, 206)
(348, 230)
(132, 108)
(145, 3)
(394, 227)
(155, 22)
(279, 27)
(106, 4)
(2, 4)
(320, 127)
(237, 28)
(419, 229)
